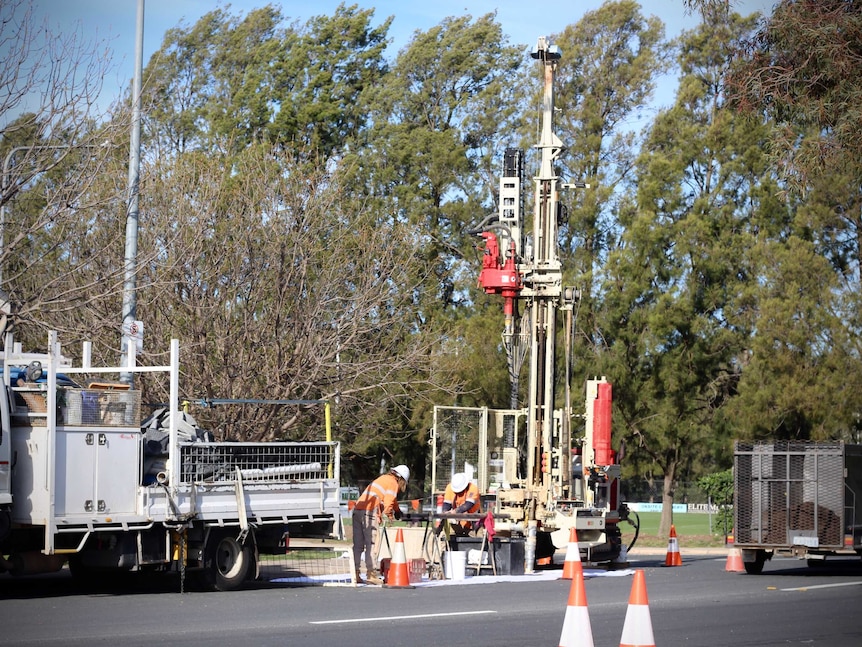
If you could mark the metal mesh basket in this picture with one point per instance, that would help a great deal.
(789, 493)
(258, 463)
(100, 407)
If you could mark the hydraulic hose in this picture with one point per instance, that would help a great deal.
(637, 526)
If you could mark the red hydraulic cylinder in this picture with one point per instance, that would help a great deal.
(604, 454)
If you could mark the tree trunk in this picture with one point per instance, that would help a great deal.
(667, 501)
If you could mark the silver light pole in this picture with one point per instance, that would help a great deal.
(130, 264)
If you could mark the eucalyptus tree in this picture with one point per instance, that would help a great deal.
(673, 312)
(231, 80)
(802, 69)
(439, 121)
(612, 59)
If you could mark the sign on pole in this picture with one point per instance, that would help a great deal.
(135, 330)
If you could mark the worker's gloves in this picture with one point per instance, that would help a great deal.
(397, 512)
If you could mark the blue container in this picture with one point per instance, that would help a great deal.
(90, 408)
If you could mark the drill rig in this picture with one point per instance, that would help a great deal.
(554, 480)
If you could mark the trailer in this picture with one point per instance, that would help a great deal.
(81, 484)
(797, 498)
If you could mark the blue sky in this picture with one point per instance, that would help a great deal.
(113, 21)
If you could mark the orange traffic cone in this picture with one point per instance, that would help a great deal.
(673, 557)
(734, 561)
(572, 566)
(577, 631)
(399, 574)
(637, 628)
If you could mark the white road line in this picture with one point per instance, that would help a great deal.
(422, 615)
(823, 586)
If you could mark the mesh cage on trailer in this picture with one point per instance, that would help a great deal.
(789, 493)
(258, 462)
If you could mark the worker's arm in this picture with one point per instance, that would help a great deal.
(390, 506)
(465, 507)
(389, 496)
(448, 499)
(392, 510)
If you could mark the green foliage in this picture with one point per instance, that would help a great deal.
(435, 120)
(320, 82)
(680, 267)
(719, 488)
(802, 69)
(306, 209)
(229, 81)
(611, 60)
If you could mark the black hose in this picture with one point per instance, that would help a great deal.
(478, 229)
(637, 525)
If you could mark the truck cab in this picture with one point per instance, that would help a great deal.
(8, 401)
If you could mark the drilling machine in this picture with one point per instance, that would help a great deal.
(555, 481)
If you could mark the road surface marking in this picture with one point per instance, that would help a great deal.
(422, 615)
(823, 586)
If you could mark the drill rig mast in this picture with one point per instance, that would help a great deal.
(559, 482)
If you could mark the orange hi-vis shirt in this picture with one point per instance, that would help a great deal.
(470, 493)
(380, 495)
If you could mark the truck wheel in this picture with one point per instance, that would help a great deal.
(5, 524)
(226, 561)
(756, 567)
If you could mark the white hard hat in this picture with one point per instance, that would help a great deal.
(403, 471)
(460, 481)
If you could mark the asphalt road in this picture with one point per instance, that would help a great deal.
(697, 604)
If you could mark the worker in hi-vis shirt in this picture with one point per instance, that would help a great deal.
(462, 495)
(380, 499)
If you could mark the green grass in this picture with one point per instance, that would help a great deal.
(685, 524)
(691, 529)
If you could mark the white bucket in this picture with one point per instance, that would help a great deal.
(455, 565)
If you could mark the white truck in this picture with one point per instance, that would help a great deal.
(80, 484)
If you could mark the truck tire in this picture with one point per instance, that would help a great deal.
(5, 524)
(756, 567)
(226, 561)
